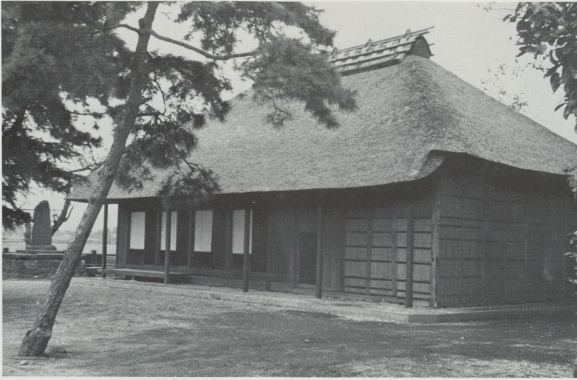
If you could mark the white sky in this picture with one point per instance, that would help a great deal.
(467, 40)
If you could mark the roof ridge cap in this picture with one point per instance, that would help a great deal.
(408, 33)
(380, 53)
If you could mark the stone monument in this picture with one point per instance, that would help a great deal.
(41, 239)
(40, 259)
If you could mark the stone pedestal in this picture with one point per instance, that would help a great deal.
(39, 248)
(26, 265)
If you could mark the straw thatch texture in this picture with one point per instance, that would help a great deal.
(408, 115)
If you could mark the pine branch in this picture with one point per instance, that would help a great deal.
(88, 167)
(183, 157)
(94, 114)
(155, 113)
(190, 47)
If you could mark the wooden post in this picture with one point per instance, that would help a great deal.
(191, 237)
(167, 248)
(228, 244)
(368, 257)
(104, 240)
(157, 261)
(526, 249)
(486, 244)
(319, 274)
(435, 246)
(395, 256)
(409, 266)
(294, 260)
(268, 252)
(246, 253)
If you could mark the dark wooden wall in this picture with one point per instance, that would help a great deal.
(502, 234)
(333, 249)
(364, 239)
(375, 260)
(479, 234)
(282, 243)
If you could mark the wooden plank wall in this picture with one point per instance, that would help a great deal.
(462, 237)
(258, 259)
(333, 250)
(376, 250)
(282, 243)
(501, 243)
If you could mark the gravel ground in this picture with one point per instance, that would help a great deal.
(148, 331)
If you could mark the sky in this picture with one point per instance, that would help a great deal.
(466, 39)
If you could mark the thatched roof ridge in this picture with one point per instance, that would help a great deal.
(380, 53)
(407, 114)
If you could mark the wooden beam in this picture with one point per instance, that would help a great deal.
(104, 239)
(319, 274)
(167, 247)
(409, 265)
(246, 253)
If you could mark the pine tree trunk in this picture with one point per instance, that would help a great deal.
(62, 218)
(36, 339)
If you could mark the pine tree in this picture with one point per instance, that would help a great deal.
(162, 99)
(46, 63)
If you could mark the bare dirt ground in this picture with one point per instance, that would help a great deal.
(140, 332)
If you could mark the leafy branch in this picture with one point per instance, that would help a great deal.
(550, 29)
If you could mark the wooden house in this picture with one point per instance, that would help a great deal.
(432, 192)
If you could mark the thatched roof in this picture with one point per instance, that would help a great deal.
(408, 114)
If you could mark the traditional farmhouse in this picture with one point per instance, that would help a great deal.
(432, 192)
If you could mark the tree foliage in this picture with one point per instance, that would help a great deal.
(550, 29)
(72, 52)
(58, 55)
(51, 58)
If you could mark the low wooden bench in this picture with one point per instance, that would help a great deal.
(132, 273)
